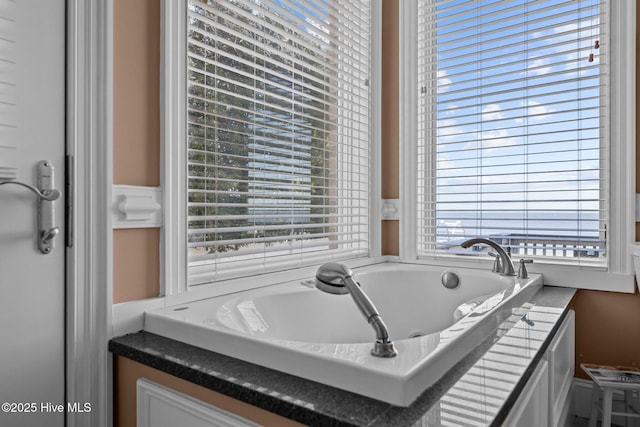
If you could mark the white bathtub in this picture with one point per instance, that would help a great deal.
(295, 328)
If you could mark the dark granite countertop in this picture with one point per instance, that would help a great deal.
(480, 389)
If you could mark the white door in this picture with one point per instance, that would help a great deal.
(32, 284)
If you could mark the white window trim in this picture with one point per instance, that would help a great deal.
(375, 157)
(172, 107)
(619, 274)
(173, 155)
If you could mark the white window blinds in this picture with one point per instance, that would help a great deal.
(278, 134)
(512, 127)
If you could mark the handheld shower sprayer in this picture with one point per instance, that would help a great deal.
(336, 278)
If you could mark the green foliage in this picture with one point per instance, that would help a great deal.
(250, 107)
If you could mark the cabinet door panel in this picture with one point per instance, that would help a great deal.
(531, 408)
(159, 406)
(561, 368)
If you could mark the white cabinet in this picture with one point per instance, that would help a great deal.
(531, 408)
(561, 358)
(159, 406)
(544, 399)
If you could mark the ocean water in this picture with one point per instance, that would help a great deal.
(563, 224)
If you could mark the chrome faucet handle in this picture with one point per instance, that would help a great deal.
(505, 257)
(522, 271)
(497, 263)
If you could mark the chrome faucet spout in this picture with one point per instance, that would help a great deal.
(336, 278)
(506, 265)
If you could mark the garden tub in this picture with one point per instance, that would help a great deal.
(295, 328)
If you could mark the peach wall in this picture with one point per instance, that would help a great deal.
(136, 95)
(390, 238)
(136, 140)
(390, 184)
(136, 264)
(607, 329)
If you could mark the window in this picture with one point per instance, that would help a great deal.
(512, 128)
(278, 135)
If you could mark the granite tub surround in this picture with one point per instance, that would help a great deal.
(479, 390)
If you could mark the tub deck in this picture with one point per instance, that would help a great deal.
(477, 390)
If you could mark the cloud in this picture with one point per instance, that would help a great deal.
(443, 81)
(537, 111)
(538, 67)
(497, 138)
(492, 112)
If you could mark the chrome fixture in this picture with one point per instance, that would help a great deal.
(450, 280)
(522, 271)
(497, 265)
(338, 279)
(46, 195)
(505, 266)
